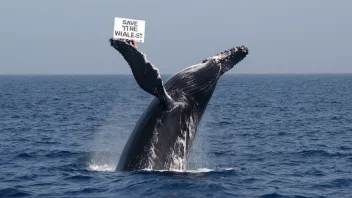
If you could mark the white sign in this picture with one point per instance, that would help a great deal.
(129, 29)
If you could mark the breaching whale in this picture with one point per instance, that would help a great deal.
(163, 136)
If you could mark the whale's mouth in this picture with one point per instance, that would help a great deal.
(233, 54)
(229, 58)
(236, 49)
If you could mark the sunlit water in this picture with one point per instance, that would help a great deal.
(261, 136)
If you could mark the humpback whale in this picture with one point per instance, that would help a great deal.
(163, 136)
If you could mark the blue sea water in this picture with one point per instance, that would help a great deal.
(261, 136)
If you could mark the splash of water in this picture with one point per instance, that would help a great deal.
(201, 154)
(101, 167)
(108, 142)
(179, 154)
(199, 170)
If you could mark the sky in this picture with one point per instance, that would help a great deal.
(71, 37)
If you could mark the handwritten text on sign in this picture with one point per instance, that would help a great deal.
(129, 29)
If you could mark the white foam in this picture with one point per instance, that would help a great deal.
(101, 167)
(199, 170)
(205, 170)
(178, 155)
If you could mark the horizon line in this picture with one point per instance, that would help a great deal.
(106, 74)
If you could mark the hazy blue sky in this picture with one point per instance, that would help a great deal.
(71, 37)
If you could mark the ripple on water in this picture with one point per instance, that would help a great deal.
(12, 192)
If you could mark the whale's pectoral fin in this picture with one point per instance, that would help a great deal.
(146, 75)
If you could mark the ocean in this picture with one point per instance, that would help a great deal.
(261, 136)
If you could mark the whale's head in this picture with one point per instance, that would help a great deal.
(229, 58)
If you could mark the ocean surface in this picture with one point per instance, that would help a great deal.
(261, 136)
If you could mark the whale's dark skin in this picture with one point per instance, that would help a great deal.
(163, 136)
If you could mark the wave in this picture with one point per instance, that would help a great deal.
(79, 178)
(24, 155)
(321, 153)
(276, 195)
(336, 183)
(59, 153)
(12, 192)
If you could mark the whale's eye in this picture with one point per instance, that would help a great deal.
(204, 61)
